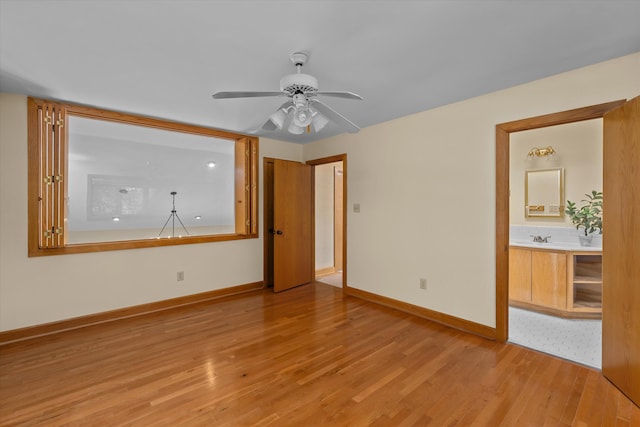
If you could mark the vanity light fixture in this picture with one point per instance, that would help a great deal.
(547, 152)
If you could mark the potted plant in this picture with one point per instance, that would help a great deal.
(587, 216)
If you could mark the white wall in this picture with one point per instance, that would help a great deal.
(45, 289)
(426, 188)
(579, 152)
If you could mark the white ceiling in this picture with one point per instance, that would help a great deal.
(165, 58)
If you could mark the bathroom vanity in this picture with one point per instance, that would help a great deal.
(559, 279)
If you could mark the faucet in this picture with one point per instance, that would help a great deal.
(540, 239)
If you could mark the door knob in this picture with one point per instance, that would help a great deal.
(278, 231)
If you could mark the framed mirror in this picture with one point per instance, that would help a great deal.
(544, 193)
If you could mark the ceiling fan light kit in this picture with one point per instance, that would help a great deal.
(319, 121)
(279, 117)
(304, 111)
(295, 129)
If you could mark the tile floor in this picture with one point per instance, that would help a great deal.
(579, 340)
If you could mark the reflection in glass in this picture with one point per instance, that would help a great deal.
(127, 171)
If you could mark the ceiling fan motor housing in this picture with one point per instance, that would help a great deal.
(299, 83)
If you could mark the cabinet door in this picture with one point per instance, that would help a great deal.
(549, 279)
(520, 274)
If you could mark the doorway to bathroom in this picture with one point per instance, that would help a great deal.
(505, 233)
(553, 308)
(620, 322)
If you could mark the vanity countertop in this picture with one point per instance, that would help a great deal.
(558, 246)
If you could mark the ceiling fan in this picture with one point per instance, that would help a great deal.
(303, 111)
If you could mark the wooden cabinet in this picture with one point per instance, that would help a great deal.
(549, 279)
(565, 283)
(520, 274)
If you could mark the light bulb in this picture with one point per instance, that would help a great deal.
(293, 128)
(302, 116)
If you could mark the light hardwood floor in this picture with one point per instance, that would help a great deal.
(304, 357)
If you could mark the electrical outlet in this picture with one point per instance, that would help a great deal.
(180, 276)
(423, 283)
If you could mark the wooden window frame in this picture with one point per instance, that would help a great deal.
(47, 187)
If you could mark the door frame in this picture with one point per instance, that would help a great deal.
(321, 161)
(503, 130)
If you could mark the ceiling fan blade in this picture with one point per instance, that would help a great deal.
(229, 95)
(346, 95)
(332, 114)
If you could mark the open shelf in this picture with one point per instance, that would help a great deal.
(587, 295)
(586, 279)
(587, 282)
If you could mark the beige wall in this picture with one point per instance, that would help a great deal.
(323, 186)
(426, 188)
(579, 152)
(425, 184)
(324, 214)
(45, 289)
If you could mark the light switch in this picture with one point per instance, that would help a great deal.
(356, 207)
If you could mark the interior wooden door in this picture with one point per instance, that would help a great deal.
(621, 249)
(292, 222)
